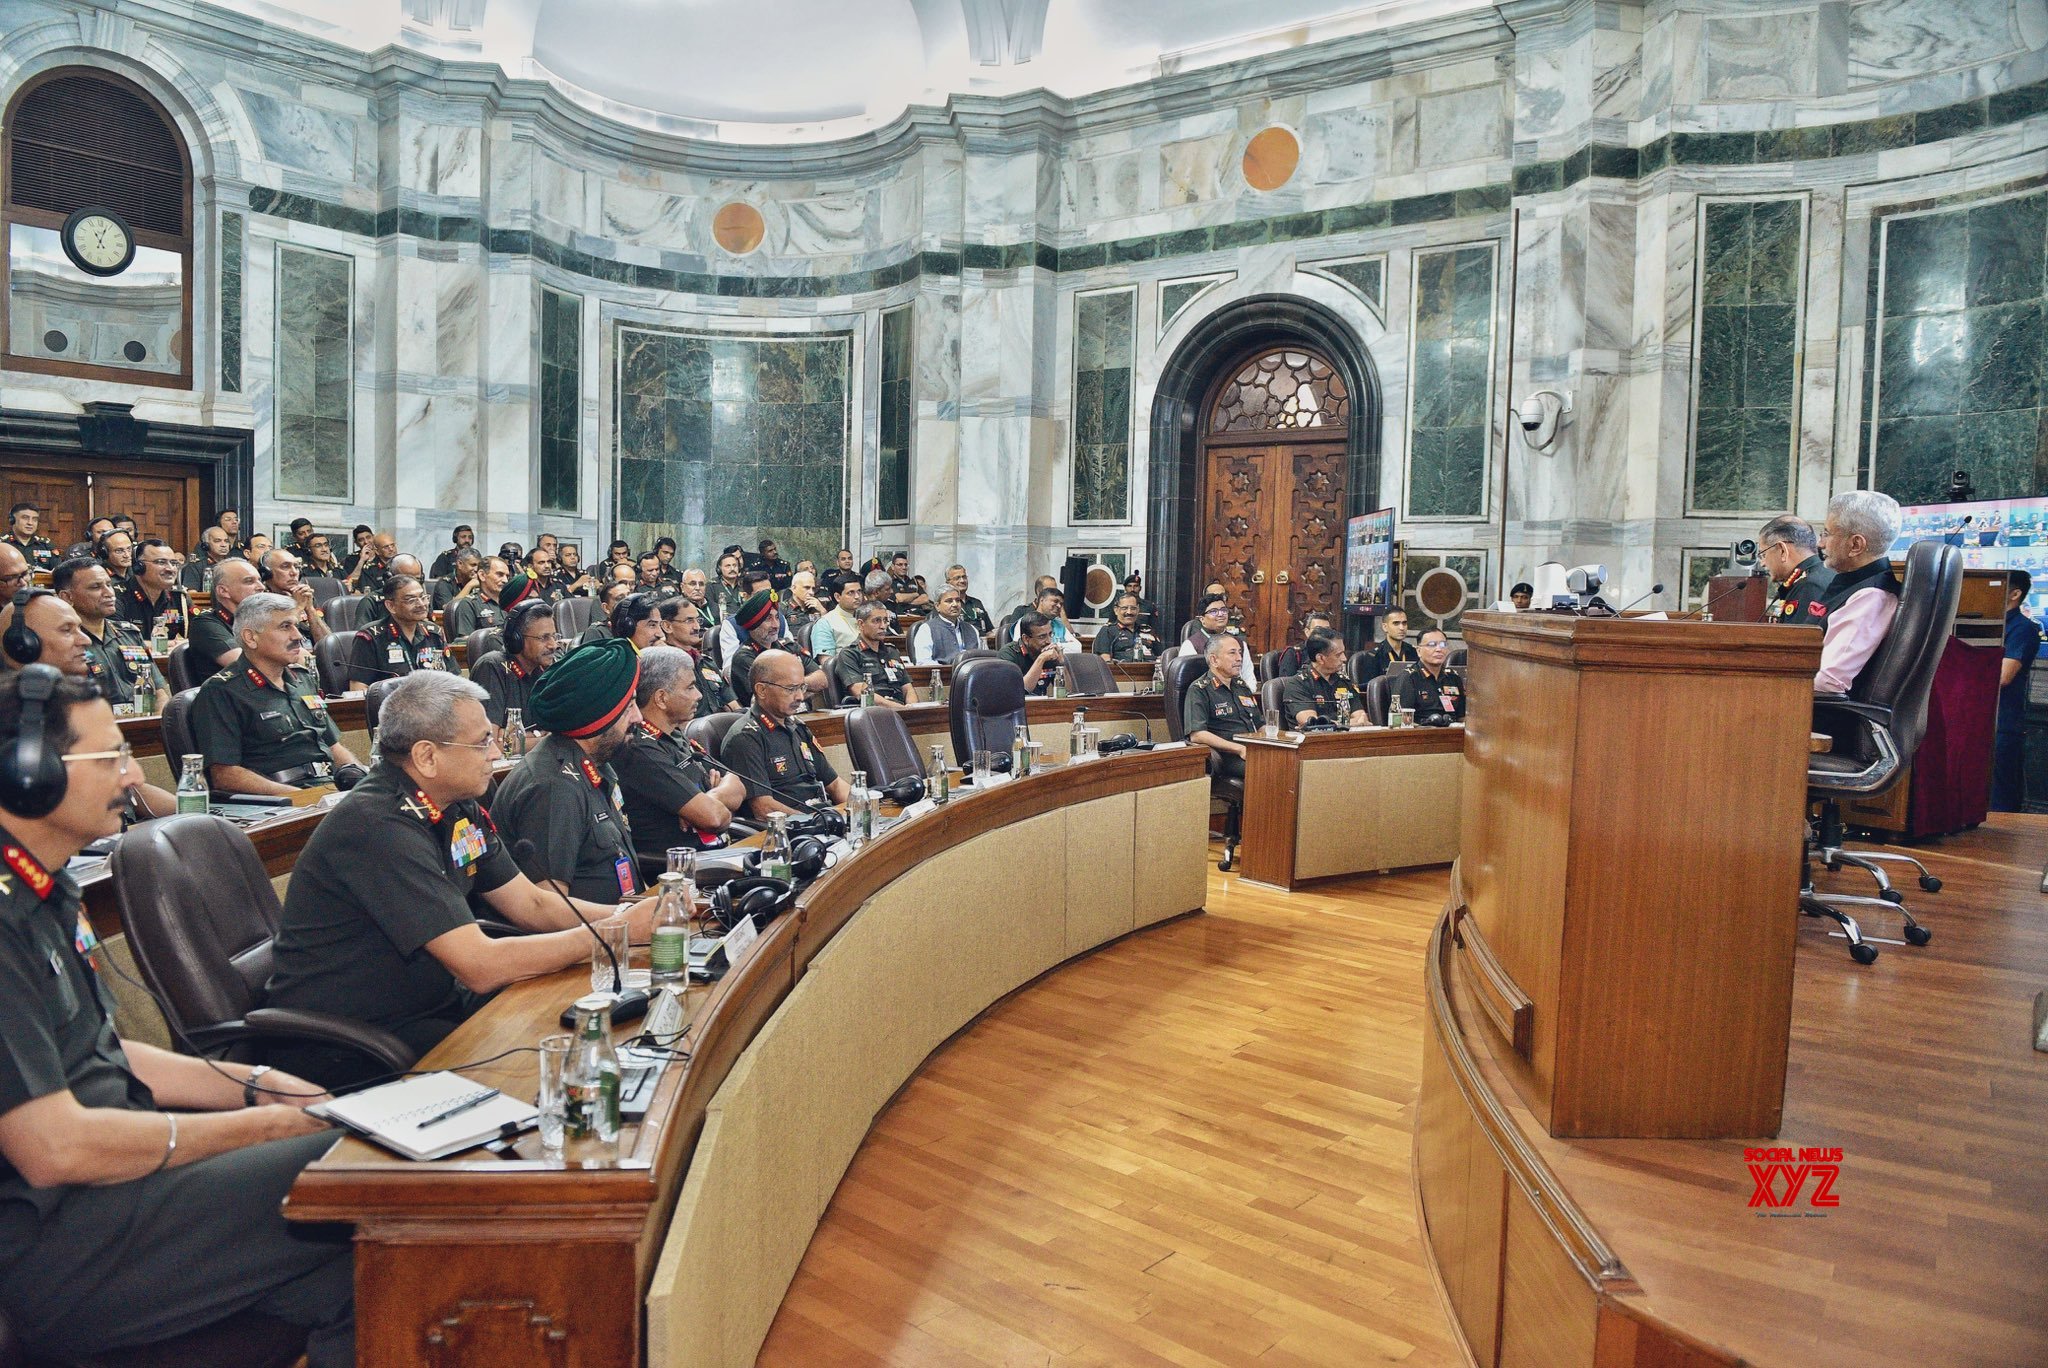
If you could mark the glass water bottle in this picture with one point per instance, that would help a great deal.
(590, 1086)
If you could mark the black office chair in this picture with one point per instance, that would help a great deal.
(1876, 728)
(572, 615)
(1456, 659)
(479, 644)
(345, 613)
(246, 1340)
(324, 587)
(177, 728)
(178, 667)
(201, 916)
(878, 742)
(709, 731)
(1269, 696)
(986, 707)
(373, 702)
(1379, 699)
(1356, 667)
(330, 662)
(1089, 675)
(1182, 672)
(1269, 664)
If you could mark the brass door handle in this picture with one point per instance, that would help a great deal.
(1282, 577)
(1258, 577)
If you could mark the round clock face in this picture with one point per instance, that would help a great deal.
(98, 242)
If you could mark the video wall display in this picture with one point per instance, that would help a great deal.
(1994, 534)
(1369, 560)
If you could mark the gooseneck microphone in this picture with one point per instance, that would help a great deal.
(1655, 590)
(625, 1006)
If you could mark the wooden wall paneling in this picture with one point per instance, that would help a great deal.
(1463, 1187)
(63, 497)
(1549, 1313)
(1311, 527)
(165, 506)
(1630, 1339)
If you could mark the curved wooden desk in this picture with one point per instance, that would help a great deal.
(1321, 804)
(476, 1260)
(1648, 1254)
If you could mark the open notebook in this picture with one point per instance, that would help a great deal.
(393, 1115)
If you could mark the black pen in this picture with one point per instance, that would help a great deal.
(458, 1109)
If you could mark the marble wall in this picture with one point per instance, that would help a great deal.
(1588, 152)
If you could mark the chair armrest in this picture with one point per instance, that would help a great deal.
(1841, 707)
(372, 1042)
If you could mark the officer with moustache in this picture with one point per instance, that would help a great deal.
(405, 641)
(1789, 550)
(769, 744)
(682, 627)
(508, 676)
(675, 793)
(1320, 692)
(1432, 691)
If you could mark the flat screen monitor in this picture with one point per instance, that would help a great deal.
(1369, 562)
(1994, 534)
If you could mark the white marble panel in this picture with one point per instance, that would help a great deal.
(443, 160)
(1345, 145)
(297, 135)
(1761, 57)
(1892, 40)
(1464, 125)
(1190, 170)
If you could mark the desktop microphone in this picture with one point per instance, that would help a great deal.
(625, 1006)
(1655, 590)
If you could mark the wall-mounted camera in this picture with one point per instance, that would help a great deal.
(1540, 415)
(1960, 489)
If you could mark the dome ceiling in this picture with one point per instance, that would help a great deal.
(799, 70)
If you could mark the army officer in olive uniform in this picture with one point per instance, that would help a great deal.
(872, 665)
(1432, 691)
(403, 642)
(773, 753)
(676, 794)
(508, 676)
(393, 941)
(682, 626)
(563, 797)
(1321, 693)
(761, 630)
(1220, 707)
(261, 723)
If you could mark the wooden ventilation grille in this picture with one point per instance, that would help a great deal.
(79, 141)
(1279, 391)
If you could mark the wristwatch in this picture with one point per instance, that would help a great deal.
(249, 1084)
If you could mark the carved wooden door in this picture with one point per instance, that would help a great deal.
(1272, 519)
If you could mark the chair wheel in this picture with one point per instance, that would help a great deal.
(1891, 895)
(1863, 954)
(1930, 883)
(1918, 935)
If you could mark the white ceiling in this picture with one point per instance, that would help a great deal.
(797, 70)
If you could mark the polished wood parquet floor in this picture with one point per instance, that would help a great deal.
(1190, 1148)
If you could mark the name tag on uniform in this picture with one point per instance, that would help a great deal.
(1448, 693)
(395, 655)
(466, 844)
(892, 671)
(270, 715)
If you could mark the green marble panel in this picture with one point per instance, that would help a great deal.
(1105, 345)
(730, 439)
(892, 501)
(1177, 295)
(1367, 278)
(1961, 350)
(314, 373)
(231, 303)
(561, 400)
(1748, 348)
(1450, 380)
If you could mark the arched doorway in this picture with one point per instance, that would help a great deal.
(1178, 542)
(1271, 525)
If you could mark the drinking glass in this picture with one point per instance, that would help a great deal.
(554, 1057)
(613, 934)
(1272, 722)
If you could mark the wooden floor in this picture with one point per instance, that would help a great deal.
(1190, 1148)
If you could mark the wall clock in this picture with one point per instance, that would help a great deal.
(98, 242)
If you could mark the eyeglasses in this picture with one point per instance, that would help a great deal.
(125, 755)
(414, 600)
(796, 688)
(487, 744)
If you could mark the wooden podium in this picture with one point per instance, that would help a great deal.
(1633, 809)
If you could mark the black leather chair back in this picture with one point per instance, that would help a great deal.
(710, 730)
(177, 728)
(344, 612)
(978, 653)
(572, 615)
(835, 696)
(1269, 697)
(330, 661)
(1456, 659)
(1089, 674)
(1896, 682)
(1181, 671)
(326, 588)
(1356, 667)
(1379, 698)
(373, 702)
(878, 741)
(1269, 665)
(479, 644)
(986, 706)
(178, 667)
(200, 916)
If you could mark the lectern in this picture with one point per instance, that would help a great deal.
(1633, 806)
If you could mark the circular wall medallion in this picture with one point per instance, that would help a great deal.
(1441, 592)
(135, 351)
(55, 341)
(1270, 158)
(1101, 586)
(738, 228)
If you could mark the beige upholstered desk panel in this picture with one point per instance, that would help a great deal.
(1171, 818)
(923, 956)
(1377, 812)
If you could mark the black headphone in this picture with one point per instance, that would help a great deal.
(516, 623)
(32, 779)
(22, 643)
(629, 612)
(755, 895)
(905, 791)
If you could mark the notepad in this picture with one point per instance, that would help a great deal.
(391, 1115)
